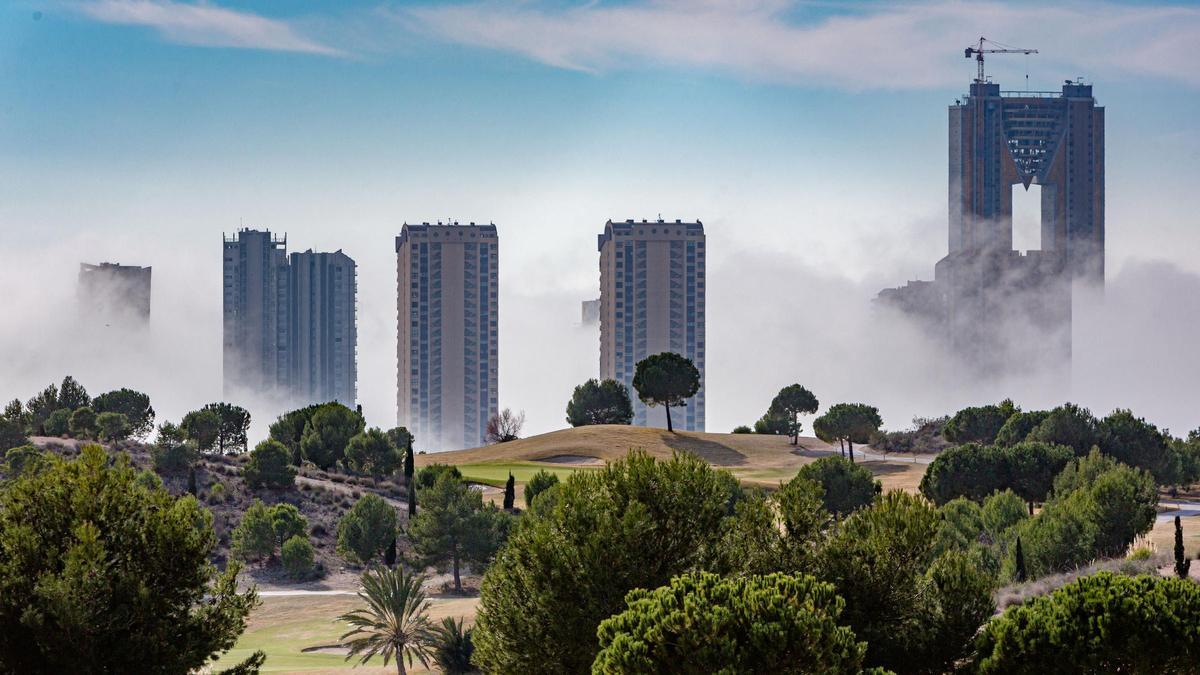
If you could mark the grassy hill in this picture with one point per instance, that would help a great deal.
(755, 459)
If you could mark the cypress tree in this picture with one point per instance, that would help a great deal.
(191, 485)
(1182, 564)
(1019, 575)
(408, 478)
(389, 556)
(510, 492)
(408, 464)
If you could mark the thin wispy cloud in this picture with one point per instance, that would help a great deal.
(886, 45)
(206, 25)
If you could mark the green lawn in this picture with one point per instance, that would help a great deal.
(283, 626)
(496, 473)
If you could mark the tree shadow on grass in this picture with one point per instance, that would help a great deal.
(710, 451)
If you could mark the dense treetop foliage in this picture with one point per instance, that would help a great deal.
(568, 567)
(979, 424)
(848, 423)
(98, 569)
(846, 486)
(270, 466)
(1101, 623)
(667, 379)
(976, 471)
(599, 402)
(789, 404)
(328, 432)
(702, 623)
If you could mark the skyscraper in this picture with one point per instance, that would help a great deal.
(1002, 309)
(289, 324)
(652, 301)
(447, 299)
(254, 321)
(322, 332)
(114, 293)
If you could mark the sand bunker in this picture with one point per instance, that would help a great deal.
(577, 460)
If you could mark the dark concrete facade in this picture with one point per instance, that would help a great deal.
(996, 306)
(289, 325)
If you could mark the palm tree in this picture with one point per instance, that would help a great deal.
(394, 623)
(452, 647)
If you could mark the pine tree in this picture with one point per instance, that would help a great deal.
(1020, 574)
(510, 492)
(1182, 564)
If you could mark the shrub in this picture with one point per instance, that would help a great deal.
(742, 429)
(254, 537)
(847, 486)
(538, 483)
(1102, 623)
(427, 476)
(366, 530)
(703, 623)
(270, 466)
(22, 458)
(453, 647)
(172, 453)
(297, 556)
(287, 522)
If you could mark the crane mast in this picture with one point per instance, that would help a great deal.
(980, 50)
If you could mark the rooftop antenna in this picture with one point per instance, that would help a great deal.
(979, 51)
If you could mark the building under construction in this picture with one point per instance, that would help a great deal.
(998, 307)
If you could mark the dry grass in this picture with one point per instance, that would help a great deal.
(1015, 594)
(1162, 535)
(759, 460)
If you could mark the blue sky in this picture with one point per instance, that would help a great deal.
(812, 133)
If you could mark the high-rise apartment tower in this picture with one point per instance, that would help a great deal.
(254, 320)
(290, 330)
(652, 301)
(447, 302)
(322, 331)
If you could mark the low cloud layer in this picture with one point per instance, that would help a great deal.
(772, 320)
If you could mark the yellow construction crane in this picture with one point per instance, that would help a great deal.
(979, 51)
